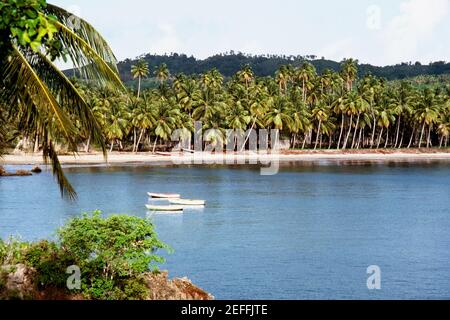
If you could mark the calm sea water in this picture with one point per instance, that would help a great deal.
(309, 232)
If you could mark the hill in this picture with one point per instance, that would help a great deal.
(266, 65)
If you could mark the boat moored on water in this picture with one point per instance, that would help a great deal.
(164, 195)
(165, 208)
(186, 202)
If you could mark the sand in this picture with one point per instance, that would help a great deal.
(179, 158)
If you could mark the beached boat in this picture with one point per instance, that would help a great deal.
(185, 202)
(164, 208)
(164, 195)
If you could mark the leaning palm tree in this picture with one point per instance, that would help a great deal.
(140, 71)
(35, 91)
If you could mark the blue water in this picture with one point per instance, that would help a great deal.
(309, 232)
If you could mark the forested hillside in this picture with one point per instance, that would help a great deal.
(230, 63)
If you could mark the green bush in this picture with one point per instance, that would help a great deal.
(50, 262)
(112, 253)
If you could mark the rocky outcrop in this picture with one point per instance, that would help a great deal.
(36, 169)
(18, 282)
(161, 288)
(18, 173)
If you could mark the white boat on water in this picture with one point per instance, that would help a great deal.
(164, 195)
(164, 208)
(185, 202)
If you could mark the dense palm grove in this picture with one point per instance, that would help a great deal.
(329, 110)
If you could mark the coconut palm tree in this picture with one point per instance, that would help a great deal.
(305, 76)
(320, 115)
(167, 116)
(36, 91)
(349, 72)
(140, 71)
(401, 105)
(279, 117)
(246, 75)
(444, 130)
(162, 73)
(427, 113)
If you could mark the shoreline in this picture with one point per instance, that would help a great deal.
(118, 158)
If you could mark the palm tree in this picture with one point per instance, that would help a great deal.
(349, 72)
(167, 117)
(320, 114)
(305, 76)
(246, 75)
(282, 77)
(401, 104)
(162, 73)
(33, 87)
(427, 113)
(444, 130)
(140, 71)
(279, 117)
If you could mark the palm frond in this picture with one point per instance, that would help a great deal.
(86, 31)
(90, 62)
(69, 97)
(25, 86)
(50, 153)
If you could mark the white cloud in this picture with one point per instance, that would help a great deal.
(403, 35)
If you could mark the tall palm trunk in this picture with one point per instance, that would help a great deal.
(139, 140)
(36, 144)
(401, 140)
(342, 132)
(372, 142)
(348, 133)
(429, 144)
(318, 134)
(379, 138)
(87, 147)
(134, 139)
(248, 136)
(387, 139)
(154, 145)
(304, 91)
(398, 130)
(412, 136)
(139, 87)
(112, 146)
(356, 131)
(421, 134)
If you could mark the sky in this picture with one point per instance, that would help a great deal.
(379, 32)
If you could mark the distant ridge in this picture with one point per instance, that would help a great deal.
(266, 65)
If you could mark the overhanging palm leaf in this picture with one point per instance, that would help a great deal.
(28, 88)
(43, 100)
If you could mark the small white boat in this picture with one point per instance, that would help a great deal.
(164, 208)
(164, 195)
(185, 202)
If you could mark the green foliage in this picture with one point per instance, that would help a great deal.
(121, 245)
(113, 254)
(266, 65)
(22, 21)
(50, 262)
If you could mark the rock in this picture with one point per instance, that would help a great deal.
(177, 289)
(23, 173)
(18, 282)
(36, 169)
(18, 173)
(2, 171)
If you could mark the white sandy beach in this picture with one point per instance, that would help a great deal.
(241, 158)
